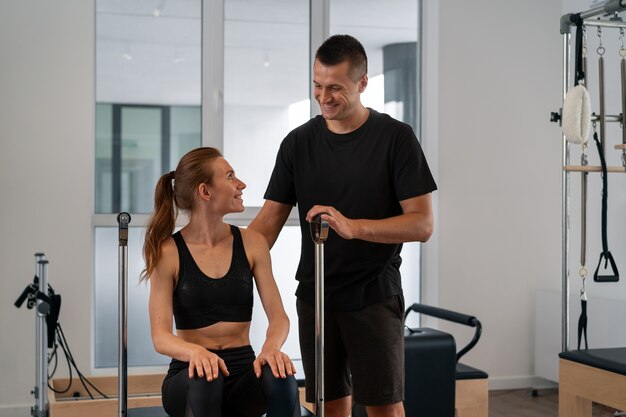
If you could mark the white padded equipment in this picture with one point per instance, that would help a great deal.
(577, 115)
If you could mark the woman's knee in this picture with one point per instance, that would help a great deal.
(205, 393)
(281, 393)
(284, 387)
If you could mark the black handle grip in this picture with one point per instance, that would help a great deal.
(444, 314)
(319, 229)
(20, 300)
(123, 219)
(608, 259)
(452, 316)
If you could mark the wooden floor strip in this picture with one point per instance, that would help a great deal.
(520, 403)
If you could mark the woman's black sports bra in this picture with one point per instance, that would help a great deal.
(200, 300)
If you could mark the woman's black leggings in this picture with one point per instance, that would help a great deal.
(241, 394)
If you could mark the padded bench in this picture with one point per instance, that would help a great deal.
(592, 375)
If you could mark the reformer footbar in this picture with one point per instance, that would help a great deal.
(319, 234)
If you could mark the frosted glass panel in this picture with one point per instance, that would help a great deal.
(140, 349)
(148, 52)
(266, 70)
(148, 96)
(285, 257)
(389, 33)
(149, 141)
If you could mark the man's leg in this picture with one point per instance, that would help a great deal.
(337, 384)
(392, 410)
(374, 342)
(341, 407)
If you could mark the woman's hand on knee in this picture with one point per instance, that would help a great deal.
(279, 363)
(206, 364)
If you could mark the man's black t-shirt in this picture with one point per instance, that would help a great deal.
(363, 174)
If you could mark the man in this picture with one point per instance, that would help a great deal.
(365, 173)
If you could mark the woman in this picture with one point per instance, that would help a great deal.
(202, 276)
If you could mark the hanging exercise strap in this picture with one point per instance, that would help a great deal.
(580, 70)
(606, 254)
(613, 276)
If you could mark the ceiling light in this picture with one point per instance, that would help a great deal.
(266, 59)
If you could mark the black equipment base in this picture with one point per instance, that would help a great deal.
(430, 373)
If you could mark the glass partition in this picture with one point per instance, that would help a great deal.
(266, 84)
(148, 114)
(148, 96)
(389, 31)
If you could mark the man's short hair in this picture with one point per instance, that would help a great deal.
(340, 48)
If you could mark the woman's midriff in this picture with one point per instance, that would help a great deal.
(221, 335)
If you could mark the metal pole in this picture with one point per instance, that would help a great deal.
(605, 23)
(122, 366)
(36, 390)
(41, 390)
(609, 7)
(319, 233)
(565, 212)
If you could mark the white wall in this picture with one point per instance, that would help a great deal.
(498, 165)
(46, 177)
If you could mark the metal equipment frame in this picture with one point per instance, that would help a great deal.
(609, 8)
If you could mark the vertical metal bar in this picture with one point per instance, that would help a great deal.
(41, 403)
(166, 138)
(319, 30)
(213, 73)
(418, 75)
(319, 234)
(116, 159)
(319, 328)
(38, 342)
(122, 364)
(565, 212)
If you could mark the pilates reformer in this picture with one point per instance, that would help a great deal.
(589, 375)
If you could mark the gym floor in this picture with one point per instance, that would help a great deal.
(520, 403)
